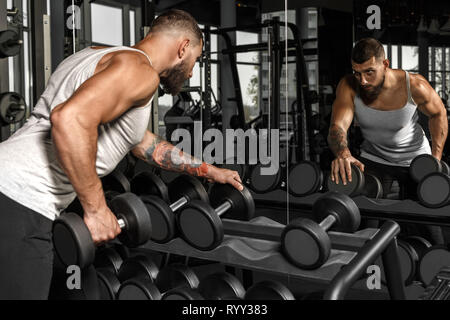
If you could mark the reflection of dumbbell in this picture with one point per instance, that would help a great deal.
(306, 243)
(181, 191)
(151, 284)
(268, 290)
(72, 239)
(433, 260)
(304, 178)
(200, 223)
(361, 184)
(216, 286)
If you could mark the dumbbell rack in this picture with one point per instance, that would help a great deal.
(398, 210)
(348, 262)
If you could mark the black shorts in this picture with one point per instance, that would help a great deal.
(26, 252)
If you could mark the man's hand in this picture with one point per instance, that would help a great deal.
(103, 225)
(342, 166)
(219, 175)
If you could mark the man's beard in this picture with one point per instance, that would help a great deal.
(369, 96)
(175, 78)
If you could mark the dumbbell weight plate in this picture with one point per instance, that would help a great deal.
(372, 186)
(138, 266)
(423, 165)
(176, 275)
(433, 190)
(432, 261)
(305, 178)
(138, 289)
(221, 286)
(353, 188)
(408, 261)
(268, 290)
(7, 100)
(9, 50)
(419, 244)
(162, 217)
(414, 291)
(182, 294)
(187, 184)
(116, 181)
(108, 258)
(445, 168)
(305, 244)
(261, 183)
(108, 283)
(148, 183)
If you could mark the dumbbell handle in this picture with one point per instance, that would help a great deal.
(179, 203)
(224, 207)
(328, 222)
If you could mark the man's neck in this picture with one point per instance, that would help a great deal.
(158, 51)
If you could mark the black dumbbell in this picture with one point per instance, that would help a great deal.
(269, 290)
(12, 107)
(10, 43)
(72, 239)
(216, 286)
(306, 243)
(414, 291)
(108, 283)
(424, 164)
(200, 223)
(148, 183)
(362, 184)
(411, 250)
(433, 260)
(182, 190)
(153, 287)
(433, 191)
(304, 178)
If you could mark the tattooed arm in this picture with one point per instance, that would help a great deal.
(429, 103)
(155, 150)
(341, 119)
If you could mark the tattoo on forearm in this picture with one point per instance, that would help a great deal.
(167, 156)
(337, 140)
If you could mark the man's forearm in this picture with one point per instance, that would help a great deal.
(438, 126)
(337, 141)
(156, 150)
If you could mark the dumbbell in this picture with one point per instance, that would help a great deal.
(12, 107)
(10, 44)
(433, 260)
(200, 223)
(72, 239)
(305, 177)
(362, 184)
(433, 191)
(182, 190)
(414, 291)
(306, 243)
(424, 164)
(268, 290)
(153, 287)
(148, 183)
(216, 286)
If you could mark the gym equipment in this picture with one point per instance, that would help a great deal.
(108, 284)
(182, 190)
(148, 183)
(410, 251)
(361, 184)
(433, 190)
(306, 243)
(200, 223)
(433, 260)
(439, 288)
(10, 43)
(108, 258)
(216, 286)
(12, 107)
(116, 181)
(139, 266)
(148, 288)
(425, 164)
(268, 290)
(305, 178)
(241, 168)
(414, 291)
(72, 239)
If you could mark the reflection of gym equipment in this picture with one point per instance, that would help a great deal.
(12, 108)
(10, 44)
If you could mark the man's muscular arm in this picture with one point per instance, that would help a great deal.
(429, 102)
(154, 150)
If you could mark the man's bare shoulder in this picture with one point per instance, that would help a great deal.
(347, 85)
(420, 88)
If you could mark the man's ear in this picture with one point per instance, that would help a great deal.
(386, 63)
(182, 48)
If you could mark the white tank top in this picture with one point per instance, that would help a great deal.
(29, 170)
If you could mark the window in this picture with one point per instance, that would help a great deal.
(106, 22)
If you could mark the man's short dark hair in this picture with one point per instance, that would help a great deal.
(179, 20)
(367, 48)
